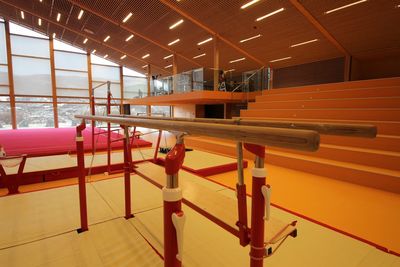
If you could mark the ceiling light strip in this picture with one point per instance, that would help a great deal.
(345, 6)
(250, 38)
(105, 56)
(205, 41)
(40, 22)
(145, 56)
(166, 57)
(237, 60)
(176, 24)
(124, 56)
(280, 59)
(85, 41)
(270, 14)
(80, 14)
(201, 55)
(107, 38)
(22, 15)
(173, 42)
(129, 37)
(58, 17)
(169, 66)
(249, 4)
(127, 17)
(304, 43)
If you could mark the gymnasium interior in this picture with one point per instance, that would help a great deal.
(224, 133)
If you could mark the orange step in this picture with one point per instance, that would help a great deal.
(334, 94)
(381, 142)
(390, 114)
(387, 82)
(376, 102)
(379, 178)
(369, 157)
(384, 127)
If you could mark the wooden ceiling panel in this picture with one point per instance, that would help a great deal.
(362, 29)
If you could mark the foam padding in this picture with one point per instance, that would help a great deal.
(52, 141)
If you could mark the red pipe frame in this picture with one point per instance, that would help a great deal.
(81, 176)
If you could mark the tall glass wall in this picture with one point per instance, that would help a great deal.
(38, 99)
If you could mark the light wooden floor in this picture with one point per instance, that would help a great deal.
(40, 231)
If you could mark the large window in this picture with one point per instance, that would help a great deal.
(34, 115)
(135, 87)
(137, 110)
(31, 76)
(3, 48)
(5, 113)
(162, 111)
(33, 84)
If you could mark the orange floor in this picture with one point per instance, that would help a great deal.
(364, 212)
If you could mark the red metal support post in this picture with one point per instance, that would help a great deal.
(108, 127)
(81, 176)
(157, 145)
(257, 247)
(173, 215)
(244, 231)
(127, 172)
(93, 111)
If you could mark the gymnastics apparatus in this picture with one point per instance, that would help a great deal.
(250, 134)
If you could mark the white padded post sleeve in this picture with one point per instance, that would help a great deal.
(172, 194)
(259, 172)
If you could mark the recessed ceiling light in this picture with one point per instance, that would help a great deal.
(94, 51)
(169, 66)
(250, 38)
(106, 39)
(345, 6)
(54, 35)
(40, 1)
(237, 60)
(205, 41)
(230, 70)
(166, 57)
(80, 14)
(176, 24)
(280, 59)
(40, 21)
(105, 56)
(303, 43)
(173, 42)
(249, 4)
(146, 56)
(58, 17)
(127, 17)
(270, 14)
(129, 37)
(124, 56)
(144, 66)
(85, 41)
(201, 55)
(22, 15)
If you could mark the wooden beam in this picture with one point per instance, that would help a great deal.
(216, 64)
(175, 73)
(53, 82)
(318, 26)
(304, 140)
(10, 76)
(172, 6)
(90, 83)
(148, 107)
(122, 26)
(45, 19)
(355, 130)
(121, 83)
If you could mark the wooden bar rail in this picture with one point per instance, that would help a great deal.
(305, 140)
(356, 130)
